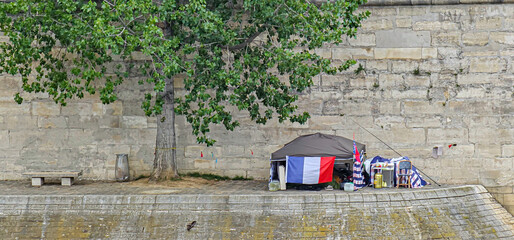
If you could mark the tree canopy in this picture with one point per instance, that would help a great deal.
(231, 52)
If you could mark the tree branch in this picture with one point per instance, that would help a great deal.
(243, 44)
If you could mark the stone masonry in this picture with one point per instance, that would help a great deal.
(434, 74)
(466, 212)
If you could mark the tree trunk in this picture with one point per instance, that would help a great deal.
(165, 166)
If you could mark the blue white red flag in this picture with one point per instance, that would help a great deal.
(309, 170)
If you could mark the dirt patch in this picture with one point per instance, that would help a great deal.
(184, 182)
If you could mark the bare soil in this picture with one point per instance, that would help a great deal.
(184, 182)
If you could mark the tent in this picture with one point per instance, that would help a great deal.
(319, 145)
(316, 145)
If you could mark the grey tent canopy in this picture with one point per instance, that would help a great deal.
(318, 145)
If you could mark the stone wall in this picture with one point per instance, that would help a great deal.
(432, 76)
(467, 212)
(504, 195)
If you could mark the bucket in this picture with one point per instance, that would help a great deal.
(274, 185)
(122, 168)
(349, 187)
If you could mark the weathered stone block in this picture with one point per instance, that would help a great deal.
(52, 122)
(380, 24)
(379, 65)
(344, 107)
(475, 53)
(497, 163)
(488, 23)
(389, 38)
(325, 122)
(475, 38)
(390, 107)
(427, 53)
(488, 150)
(115, 108)
(178, 83)
(196, 152)
(344, 54)
(23, 138)
(403, 22)
(80, 137)
(397, 53)
(412, 11)
(490, 65)
(488, 135)
(4, 138)
(362, 40)
(12, 108)
(508, 199)
(448, 52)
(508, 150)
(404, 66)
(417, 81)
(443, 136)
(434, 26)
(333, 80)
(427, 122)
(422, 107)
(107, 121)
(477, 78)
(407, 94)
(482, 121)
(506, 38)
(45, 108)
(473, 107)
(446, 39)
(395, 121)
(383, 11)
(19, 122)
(234, 163)
(389, 80)
(53, 138)
(77, 121)
(77, 109)
(471, 93)
(133, 122)
(324, 52)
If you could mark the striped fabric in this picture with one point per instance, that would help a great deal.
(416, 180)
(358, 178)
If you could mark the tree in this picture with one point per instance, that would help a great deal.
(231, 52)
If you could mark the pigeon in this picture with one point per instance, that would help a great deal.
(191, 225)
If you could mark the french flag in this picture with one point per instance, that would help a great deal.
(309, 170)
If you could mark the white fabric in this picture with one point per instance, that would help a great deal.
(311, 167)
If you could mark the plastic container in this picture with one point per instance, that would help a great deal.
(378, 180)
(274, 185)
(349, 187)
(122, 173)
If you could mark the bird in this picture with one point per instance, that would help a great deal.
(191, 225)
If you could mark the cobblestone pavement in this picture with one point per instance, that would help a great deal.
(129, 188)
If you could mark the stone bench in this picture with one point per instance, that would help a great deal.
(39, 177)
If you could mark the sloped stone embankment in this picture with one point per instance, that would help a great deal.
(465, 212)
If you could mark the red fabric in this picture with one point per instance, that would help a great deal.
(357, 155)
(326, 166)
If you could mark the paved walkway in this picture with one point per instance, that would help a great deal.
(133, 188)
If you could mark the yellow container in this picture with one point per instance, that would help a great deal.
(378, 180)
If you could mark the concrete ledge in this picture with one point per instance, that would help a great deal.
(458, 212)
